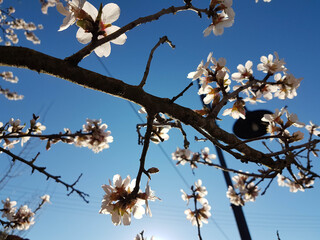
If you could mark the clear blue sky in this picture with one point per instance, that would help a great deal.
(289, 27)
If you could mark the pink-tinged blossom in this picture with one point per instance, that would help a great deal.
(110, 13)
(244, 72)
(293, 120)
(275, 117)
(202, 215)
(296, 136)
(36, 127)
(118, 202)
(206, 156)
(270, 64)
(236, 111)
(223, 80)
(266, 91)
(287, 86)
(14, 126)
(220, 21)
(219, 64)
(201, 190)
(99, 138)
(182, 155)
(251, 193)
(235, 198)
(212, 94)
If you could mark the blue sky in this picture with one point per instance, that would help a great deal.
(286, 26)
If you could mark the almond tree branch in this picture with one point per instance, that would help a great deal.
(26, 58)
(48, 175)
(77, 57)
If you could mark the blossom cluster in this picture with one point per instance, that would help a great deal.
(8, 25)
(199, 215)
(121, 202)
(93, 136)
(9, 77)
(12, 132)
(285, 84)
(96, 137)
(276, 125)
(10, 95)
(183, 156)
(22, 218)
(247, 190)
(299, 184)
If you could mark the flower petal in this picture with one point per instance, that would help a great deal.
(61, 9)
(83, 36)
(103, 50)
(91, 10)
(110, 13)
(67, 21)
(119, 40)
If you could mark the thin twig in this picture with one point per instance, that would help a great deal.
(144, 153)
(48, 175)
(146, 72)
(254, 139)
(285, 150)
(77, 57)
(181, 94)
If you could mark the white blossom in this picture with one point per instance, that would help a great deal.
(71, 12)
(270, 64)
(110, 13)
(244, 72)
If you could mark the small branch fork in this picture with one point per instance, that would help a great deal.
(146, 143)
(77, 57)
(162, 40)
(166, 123)
(42, 170)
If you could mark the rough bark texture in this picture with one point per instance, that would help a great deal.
(21, 57)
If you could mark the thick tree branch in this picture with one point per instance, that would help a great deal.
(26, 58)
